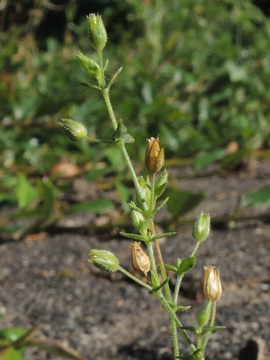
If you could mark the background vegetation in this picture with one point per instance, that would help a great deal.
(195, 72)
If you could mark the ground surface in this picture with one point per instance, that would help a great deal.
(49, 282)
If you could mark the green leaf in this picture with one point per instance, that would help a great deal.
(192, 356)
(96, 206)
(182, 308)
(25, 192)
(133, 236)
(161, 184)
(212, 328)
(133, 206)
(159, 206)
(125, 194)
(116, 159)
(261, 196)
(12, 334)
(158, 288)
(160, 190)
(190, 328)
(186, 265)
(122, 134)
(96, 173)
(11, 354)
(160, 236)
(170, 267)
(92, 86)
(205, 159)
(8, 198)
(182, 201)
(47, 195)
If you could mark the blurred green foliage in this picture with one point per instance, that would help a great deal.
(195, 72)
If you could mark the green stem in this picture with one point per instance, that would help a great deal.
(213, 316)
(132, 171)
(167, 306)
(174, 338)
(100, 60)
(151, 256)
(152, 185)
(199, 342)
(134, 278)
(195, 249)
(177, 288)
(180, 277)
(105, 93)
(162, 268)
(106, 96)
(153, 232)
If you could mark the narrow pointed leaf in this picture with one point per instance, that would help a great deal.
(170, 267)
(133, 236)
(160, 236)
(158, 288)
(212, 328)
(182, 308)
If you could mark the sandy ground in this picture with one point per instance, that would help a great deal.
(106, 316)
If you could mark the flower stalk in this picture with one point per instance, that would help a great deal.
(147, 202)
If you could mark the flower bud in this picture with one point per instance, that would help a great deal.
(145, 191)
(154, 156)
(96, 32)
(90, 66)
(104, 260)
(204, 315)
(212, 285)
(201, 227)
(140, 260)
(137, 219)
(74, 130)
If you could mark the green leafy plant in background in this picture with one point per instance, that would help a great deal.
(14, 341)
(148, 201)
(200, 81)
(209, 81)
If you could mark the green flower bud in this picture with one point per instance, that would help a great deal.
(198, 355)
(96, 32)
(74, 130)
(145, 191)
(104, 260)
(90, 66)
(137, 219)
(201, 227)
(204, 315)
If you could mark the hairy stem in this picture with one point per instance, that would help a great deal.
(213, 316)
(134, 278)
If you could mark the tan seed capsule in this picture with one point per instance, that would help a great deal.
(140, 260)
(212, 285)
(154, 156)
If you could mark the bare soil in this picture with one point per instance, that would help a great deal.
(106, 316)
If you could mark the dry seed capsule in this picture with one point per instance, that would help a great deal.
(140, 260)
(212, 285)
(154, 156)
